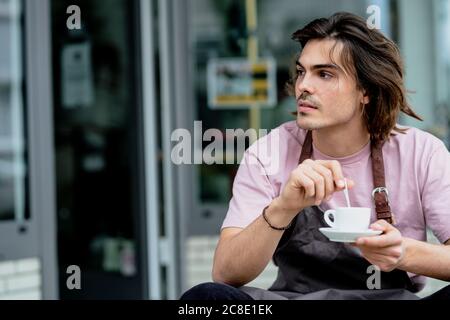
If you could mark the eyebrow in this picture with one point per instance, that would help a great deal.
(321, 66)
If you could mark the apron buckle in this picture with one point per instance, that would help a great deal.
(381, 189)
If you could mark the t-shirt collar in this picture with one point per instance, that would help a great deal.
(356, 157)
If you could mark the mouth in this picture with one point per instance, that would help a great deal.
(304, 106)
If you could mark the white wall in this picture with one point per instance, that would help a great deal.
(21, 280)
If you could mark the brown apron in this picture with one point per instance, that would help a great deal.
(312, 267)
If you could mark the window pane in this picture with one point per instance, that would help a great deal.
(12, 142)
(97, 148)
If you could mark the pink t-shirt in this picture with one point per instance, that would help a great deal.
(417, 169)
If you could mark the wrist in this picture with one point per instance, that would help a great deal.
(408, 247)
(275, 227)
(279, 213)
(278, 205)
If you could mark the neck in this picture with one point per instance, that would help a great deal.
(340, 142)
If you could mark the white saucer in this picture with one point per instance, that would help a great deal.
(337, 235)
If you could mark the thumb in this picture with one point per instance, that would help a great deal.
(380, 225)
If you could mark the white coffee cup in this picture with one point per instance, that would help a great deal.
(348, 218)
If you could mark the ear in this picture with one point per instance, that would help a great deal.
(365, 98)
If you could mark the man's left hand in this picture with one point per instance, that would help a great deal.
(386, 250)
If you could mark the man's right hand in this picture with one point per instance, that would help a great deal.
(310, 183)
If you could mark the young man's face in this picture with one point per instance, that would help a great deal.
(325, 86)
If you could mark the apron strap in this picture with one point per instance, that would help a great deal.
(307, 148)
(380, 193)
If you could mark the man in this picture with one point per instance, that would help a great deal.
(349, 88)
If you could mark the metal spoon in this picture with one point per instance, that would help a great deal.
(346, 193)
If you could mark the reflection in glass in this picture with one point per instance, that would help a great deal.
(97, 136)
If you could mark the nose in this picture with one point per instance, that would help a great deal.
(304, 84)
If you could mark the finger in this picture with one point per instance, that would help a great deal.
(375, 259)
(381, 241)
(382, 225)
(336, 169)
(377, 227)
(391, 252)
(328, 176)
(319, 184)
(307, 183)
(379, 259)
(376, 262)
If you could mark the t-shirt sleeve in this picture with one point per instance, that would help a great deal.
(436, 193)
(252, 192)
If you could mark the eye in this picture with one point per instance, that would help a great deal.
(326, 75)
(300, 72)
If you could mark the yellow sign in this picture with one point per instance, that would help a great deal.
(239, 83)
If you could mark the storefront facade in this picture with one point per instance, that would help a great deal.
(87, 177)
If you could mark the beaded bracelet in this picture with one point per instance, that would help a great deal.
(270, 225)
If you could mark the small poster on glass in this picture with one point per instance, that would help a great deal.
(240, 83)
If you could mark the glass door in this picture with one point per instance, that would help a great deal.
(99, 149)
(27, 233)
(17, 232)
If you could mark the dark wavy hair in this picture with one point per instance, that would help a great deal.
(376, 64)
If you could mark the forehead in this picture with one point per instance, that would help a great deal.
(324, 51)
